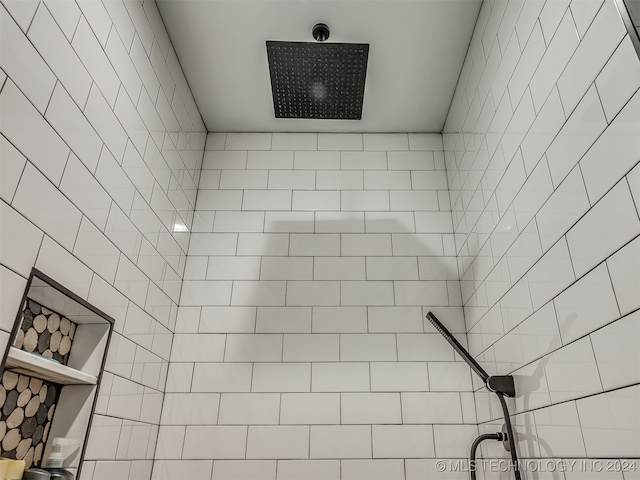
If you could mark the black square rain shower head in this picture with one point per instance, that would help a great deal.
(318, 80)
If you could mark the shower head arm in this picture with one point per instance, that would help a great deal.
(320, 32)
(502, 384)
(475, 366)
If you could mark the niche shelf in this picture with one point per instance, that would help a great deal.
(53, 322)
(21, 361)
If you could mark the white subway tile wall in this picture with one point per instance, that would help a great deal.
(318, 331)
(99, 181)
(563, 316)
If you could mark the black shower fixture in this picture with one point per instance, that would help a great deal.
(319, 80)
(320, 32)
(501, 385)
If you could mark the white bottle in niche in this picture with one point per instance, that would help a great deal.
(56, 458)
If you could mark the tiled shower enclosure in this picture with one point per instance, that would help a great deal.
(269, 290)
(301, 344)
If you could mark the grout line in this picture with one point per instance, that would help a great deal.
(371, 438)
(246, 443)
(613, 289)
(253, 366)
(575, 406)
(48, 103)
(636, 202)
(595, 359)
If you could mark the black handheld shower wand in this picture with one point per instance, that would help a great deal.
(501, 385)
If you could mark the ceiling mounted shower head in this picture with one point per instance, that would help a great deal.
(318, 80)
(320, 32)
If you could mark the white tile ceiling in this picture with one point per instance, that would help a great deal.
(417, 48)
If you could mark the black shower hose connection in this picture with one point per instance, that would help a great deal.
(510, 437)
(499, 437)
(474, 446)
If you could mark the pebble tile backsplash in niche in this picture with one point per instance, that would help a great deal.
(28, 403)
(45, 332)
(27, 409)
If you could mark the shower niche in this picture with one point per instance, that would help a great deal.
(51, 372)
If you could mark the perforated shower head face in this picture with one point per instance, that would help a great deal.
(318, 80)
